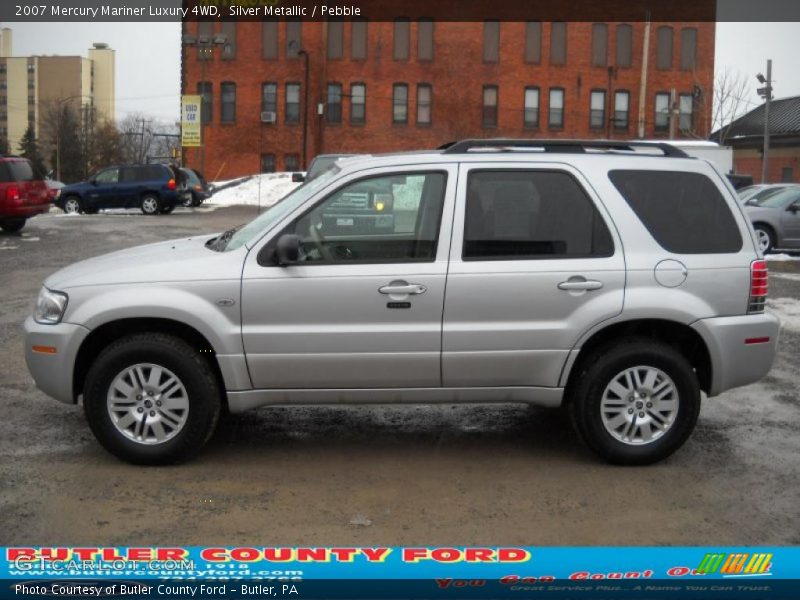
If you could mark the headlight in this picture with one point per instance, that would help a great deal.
(50, 307)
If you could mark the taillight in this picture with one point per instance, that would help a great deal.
(12, 193)
(171, 184)
(759, 280)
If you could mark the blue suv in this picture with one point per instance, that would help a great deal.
(152, 188)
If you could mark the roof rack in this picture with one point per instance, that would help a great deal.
(560, 146)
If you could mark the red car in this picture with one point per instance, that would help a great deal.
(23, 194)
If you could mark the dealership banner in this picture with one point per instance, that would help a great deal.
(407, 572)
(191, 128)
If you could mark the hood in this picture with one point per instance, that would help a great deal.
(178, 260)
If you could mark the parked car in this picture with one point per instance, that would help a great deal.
(754, 193)
(776, 218)
(616, 279)
(319, 165)
(152, 188)
(196, 188)
(23, 193)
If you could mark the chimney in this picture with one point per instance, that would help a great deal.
(5, 42)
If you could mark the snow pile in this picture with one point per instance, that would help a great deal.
(787, 310)
(781, 257)
(260, 190)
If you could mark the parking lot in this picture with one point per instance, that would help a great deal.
(363, 475)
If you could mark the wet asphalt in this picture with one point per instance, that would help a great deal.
(467, 475)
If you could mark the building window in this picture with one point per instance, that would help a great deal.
(558, 43)
(425, 39)
(269, 40)
(688, 48)
(358, 40)
(358, 103)
(490, 106)
(205, 33)
(333, 112)
(31, 99)
(597, 109)
(624, 46)
(267, 163)
(786, 175)
(531, 117)
(400, 103)
(686, 108)
(533, 42)
(622, 101)
(269, 97)
(291, 162)
(491, 41)
(229, 47)
(599, 45)
(228, 92)
(335, 39)
(205, 89)
(424, 100)
(292, 103)
(402, 29)
(664, 48)
(662, 111)
(294, 38)
(555, 118)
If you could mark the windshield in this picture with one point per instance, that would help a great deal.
(275, 213)
(779, 199)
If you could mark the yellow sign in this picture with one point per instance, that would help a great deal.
(190, 121)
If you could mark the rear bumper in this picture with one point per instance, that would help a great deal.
(23, 211)
(53, 370)
(741, 348)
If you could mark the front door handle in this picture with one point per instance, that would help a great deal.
(580, 284)
(401, 288)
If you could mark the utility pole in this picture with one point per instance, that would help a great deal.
(766, 93)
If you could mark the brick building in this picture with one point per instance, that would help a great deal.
(746, 136)
(385, 86)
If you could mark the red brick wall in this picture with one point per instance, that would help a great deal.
(748, 162)
(457, 74)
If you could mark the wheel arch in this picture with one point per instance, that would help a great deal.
(680, 336)
(106, 334)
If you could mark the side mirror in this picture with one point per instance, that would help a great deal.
(298, 178)
(793, 208)
(287, 250)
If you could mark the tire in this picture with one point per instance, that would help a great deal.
(615, 426)
(196, 201)
(188, 201)
(166, 433)
(12, 225)
(151, 204)
(765, 237)
(73, 205)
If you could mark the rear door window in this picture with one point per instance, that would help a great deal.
(527, 215)
(150, 173)
(684, 212)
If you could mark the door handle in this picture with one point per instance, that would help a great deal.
(580, 285)
(403, 288)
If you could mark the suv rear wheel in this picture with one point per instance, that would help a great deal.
(636, 402)
(12, 225)
(151, 204)
(152, 399)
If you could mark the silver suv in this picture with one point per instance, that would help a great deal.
(615, 279)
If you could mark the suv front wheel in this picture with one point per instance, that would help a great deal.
(635, 402)
(152, 399)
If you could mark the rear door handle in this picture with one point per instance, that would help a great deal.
(400, 289)
(580, 285)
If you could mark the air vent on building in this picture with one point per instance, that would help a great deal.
(268, 117)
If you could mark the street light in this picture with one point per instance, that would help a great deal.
(293, 46)
(766, 93)
(205, 44)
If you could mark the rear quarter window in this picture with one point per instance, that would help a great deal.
(21, 170)
(684, 212)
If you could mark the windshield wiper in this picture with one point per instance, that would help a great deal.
(219, 243)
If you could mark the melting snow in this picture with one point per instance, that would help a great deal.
(787, 310)
(261, 190)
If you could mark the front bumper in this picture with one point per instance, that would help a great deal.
(52, 365)
(742, 348)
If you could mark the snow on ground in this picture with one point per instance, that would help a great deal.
(787, 310)
(781, 257)
(780, 275)
(260, 190)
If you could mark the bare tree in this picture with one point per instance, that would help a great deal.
(730, 87)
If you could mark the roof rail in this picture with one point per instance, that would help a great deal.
(559, 146)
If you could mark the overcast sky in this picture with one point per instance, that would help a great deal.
(148, 57)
